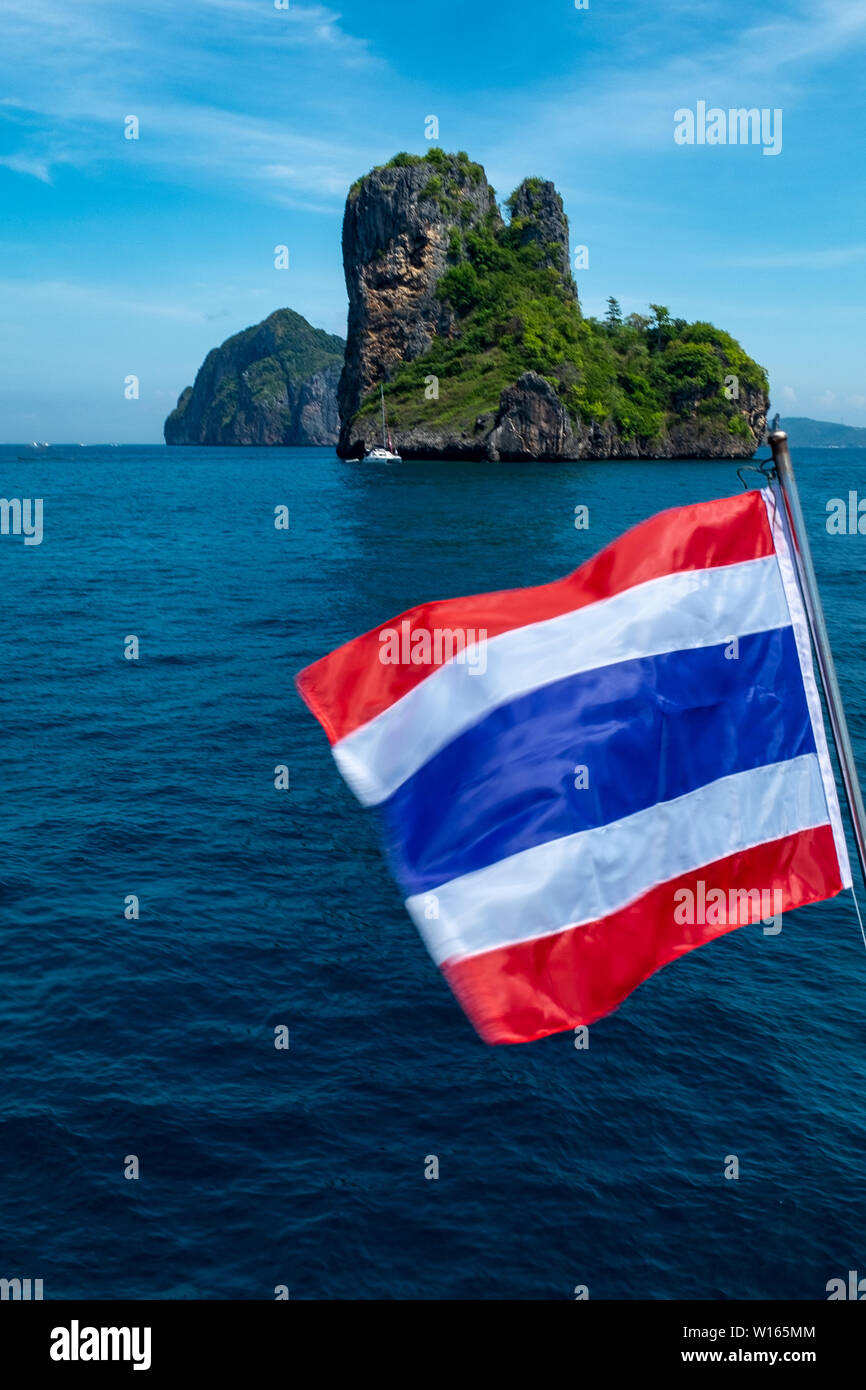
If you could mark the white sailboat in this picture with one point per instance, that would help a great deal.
(383, 454)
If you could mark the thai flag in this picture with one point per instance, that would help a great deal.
(579, 782)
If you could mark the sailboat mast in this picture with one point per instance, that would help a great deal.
(382, 390)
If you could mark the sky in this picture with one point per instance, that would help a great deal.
(124, 257)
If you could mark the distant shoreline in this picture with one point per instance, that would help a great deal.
(29, 452)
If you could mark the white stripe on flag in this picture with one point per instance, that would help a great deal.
(583, 877)
(697, 608)
(800, 625)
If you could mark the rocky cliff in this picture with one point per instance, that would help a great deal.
(538, 219)
(275, 383)
(397, 238)
(473, 324)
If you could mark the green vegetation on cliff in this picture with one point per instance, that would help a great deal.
(442, 168)
(245, 390)
(516, 312)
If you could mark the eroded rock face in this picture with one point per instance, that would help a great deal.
(532, 423)
(275, 383)
(396, 233)
(317, 416)
(538, 215)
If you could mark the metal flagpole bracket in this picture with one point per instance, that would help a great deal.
(795, 525)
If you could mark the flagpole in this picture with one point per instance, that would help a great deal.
(802, 557)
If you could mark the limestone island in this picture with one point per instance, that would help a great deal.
(473, 324)
(275, 383)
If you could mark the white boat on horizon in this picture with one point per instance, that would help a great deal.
(382, 453)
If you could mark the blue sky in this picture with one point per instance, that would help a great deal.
(120, 257)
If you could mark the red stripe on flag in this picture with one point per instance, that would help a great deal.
(351, 686)
(518, 993)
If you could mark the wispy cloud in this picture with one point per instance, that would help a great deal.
(763, 64)
(74, 73)
(808, 259)
(90, 298)
(82, 68)
(21, 164)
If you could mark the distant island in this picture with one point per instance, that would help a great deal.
(275, 383)
(473, 326)
(804, 433)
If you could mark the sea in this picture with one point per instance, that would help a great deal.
(168, 913)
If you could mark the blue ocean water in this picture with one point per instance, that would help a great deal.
(259, 907)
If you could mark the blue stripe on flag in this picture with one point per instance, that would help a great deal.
(647, 730)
